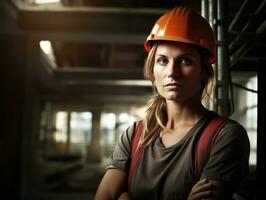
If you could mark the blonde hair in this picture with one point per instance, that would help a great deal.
(156, 114)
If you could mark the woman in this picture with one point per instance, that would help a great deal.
(181, 50)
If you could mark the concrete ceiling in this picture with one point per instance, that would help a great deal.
(103, 40)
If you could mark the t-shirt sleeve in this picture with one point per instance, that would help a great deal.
(120, 159)
(229, 156)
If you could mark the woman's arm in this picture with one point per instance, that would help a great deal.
(114, 182)
(210, 190)
(112, 185)
(227, 165)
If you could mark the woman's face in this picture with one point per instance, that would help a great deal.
(177, 71)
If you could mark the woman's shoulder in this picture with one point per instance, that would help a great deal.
(229, 122)
(231, 127)
(131, 129)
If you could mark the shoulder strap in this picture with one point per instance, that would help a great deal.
(207, 138)
(135, 151)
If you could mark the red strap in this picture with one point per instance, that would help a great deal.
(207, 138)
(135, 151)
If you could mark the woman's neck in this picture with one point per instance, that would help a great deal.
(184, 114)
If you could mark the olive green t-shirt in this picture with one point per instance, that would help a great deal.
(168, 173)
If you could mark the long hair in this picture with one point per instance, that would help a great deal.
(155, 118)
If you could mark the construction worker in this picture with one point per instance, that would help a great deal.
(181, 50)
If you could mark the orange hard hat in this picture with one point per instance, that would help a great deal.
(182, 24)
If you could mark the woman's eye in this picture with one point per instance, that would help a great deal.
(162, 61)
(186, 61)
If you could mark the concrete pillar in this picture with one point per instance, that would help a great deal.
(30, 126)
(94, 149)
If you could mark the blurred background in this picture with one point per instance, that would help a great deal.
(72, 81)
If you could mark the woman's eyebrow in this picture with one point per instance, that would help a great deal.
(160, 55)
(186, 54)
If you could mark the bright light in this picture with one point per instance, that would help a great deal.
(46, 1)
(123, 117)
(108, 120)
(46, 46)
(80, 127)
(61, 127)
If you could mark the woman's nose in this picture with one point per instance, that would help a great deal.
(173, 70)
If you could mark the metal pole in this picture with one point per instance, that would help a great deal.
(223, 79)
(250, 40)
(211, 18)
(249, 25)
(212, 14)
(204, 9)
(234, 21)
(205, 13)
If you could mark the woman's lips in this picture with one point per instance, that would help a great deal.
(170, 85)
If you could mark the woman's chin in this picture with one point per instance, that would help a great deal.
(173, 97)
